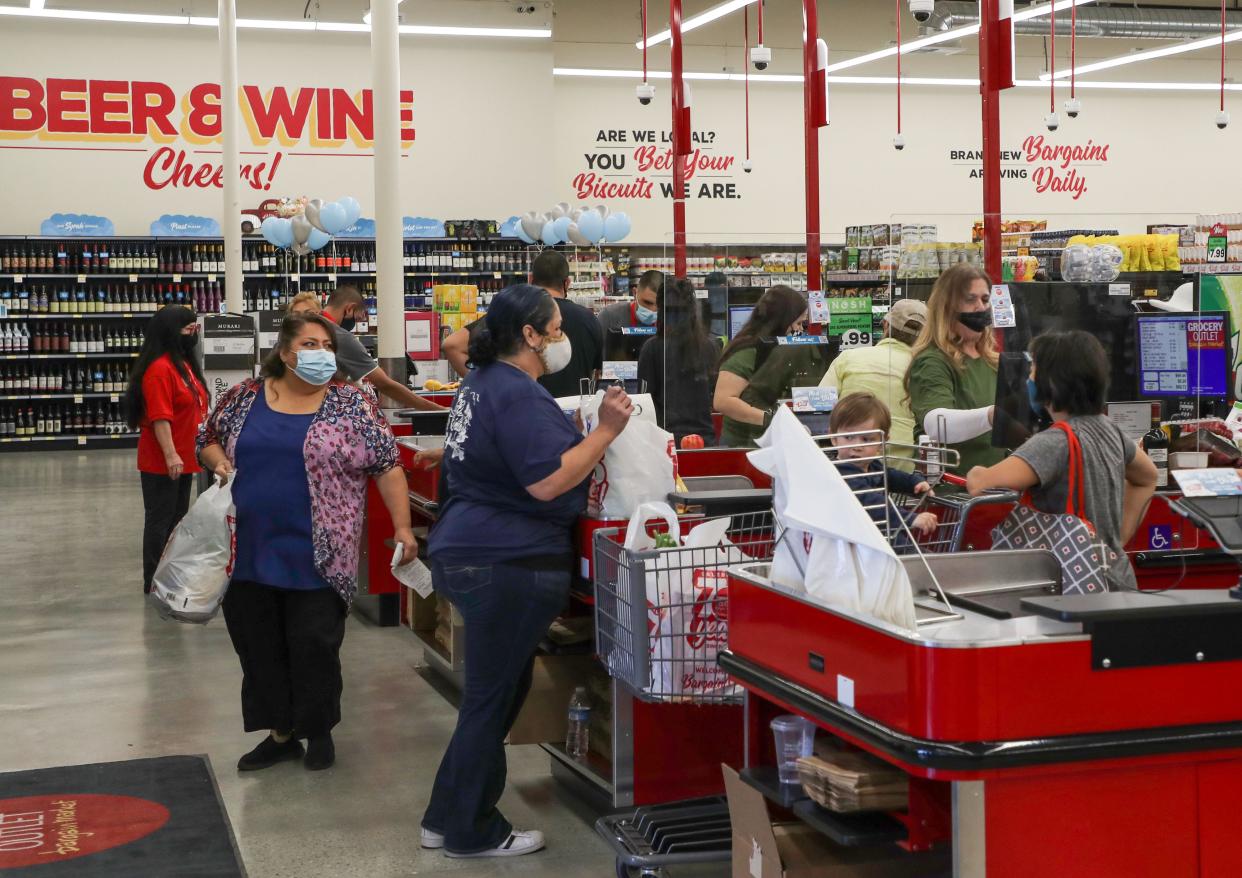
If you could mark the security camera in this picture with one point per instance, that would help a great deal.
(1052, 121)
(899, 142)
(1073, 107)
(761, 57)
(1222, 120)
(922, 10)
(645, 92)
(524, 9)
(746, 166)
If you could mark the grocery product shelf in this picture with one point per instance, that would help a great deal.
(94, 315)
(105, 356)
(13, 397)
(74, 439)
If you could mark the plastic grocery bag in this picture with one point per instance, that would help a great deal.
(194, 571)
(639, 467)
(687, 604)
(829, 548)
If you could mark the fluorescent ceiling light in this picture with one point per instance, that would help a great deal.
(951, 35)
(36, 4)
(273, 24)
(696, 21)
(1148, 55)
(886, 80)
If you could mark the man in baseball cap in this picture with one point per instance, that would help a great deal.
(882, 369)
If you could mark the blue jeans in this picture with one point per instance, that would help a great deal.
(507, 611)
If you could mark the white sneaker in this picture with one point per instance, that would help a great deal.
(515, 845)
(432, 841)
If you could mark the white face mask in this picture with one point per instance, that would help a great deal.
(556, 354)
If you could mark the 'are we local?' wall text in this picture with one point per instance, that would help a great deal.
(638, 163)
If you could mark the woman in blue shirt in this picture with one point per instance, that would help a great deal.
(502, 550)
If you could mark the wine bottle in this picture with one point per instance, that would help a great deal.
(1156, 444)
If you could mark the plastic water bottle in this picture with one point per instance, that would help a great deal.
(578, 735)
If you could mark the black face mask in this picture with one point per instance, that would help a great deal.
(189, 343)
(348, 323)
(975, 321)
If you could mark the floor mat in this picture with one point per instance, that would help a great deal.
(154, 817)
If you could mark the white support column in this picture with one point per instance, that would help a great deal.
(389, 237)
(230, 122)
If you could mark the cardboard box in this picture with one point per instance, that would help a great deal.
(545, 715)
(762, 849)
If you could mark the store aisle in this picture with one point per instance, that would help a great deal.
(91, 674)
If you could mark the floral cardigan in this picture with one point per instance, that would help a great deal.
(347, 441)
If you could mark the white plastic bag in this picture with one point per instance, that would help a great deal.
(687, 604)
(639, 467)
(194, 571)
(831, 549)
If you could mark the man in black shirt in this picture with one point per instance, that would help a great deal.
(550, 270)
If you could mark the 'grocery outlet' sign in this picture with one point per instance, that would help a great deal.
(1051, 167)
(299, 122)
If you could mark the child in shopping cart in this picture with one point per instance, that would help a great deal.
(861, 461)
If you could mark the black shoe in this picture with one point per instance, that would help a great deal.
(320, 753)
(268, 753)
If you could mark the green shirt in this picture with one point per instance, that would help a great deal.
(935, 384)
(880, 370)
(784, 367)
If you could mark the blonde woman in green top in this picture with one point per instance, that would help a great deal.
(754, 377)
(952, 378)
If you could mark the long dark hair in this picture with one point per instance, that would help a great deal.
(680, 328)
(163, 337)
(290, 328)
(500, 332)
(778, 308)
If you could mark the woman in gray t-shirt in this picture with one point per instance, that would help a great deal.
(1069, 377)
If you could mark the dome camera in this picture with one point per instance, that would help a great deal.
(746, 166)
(922, 10)
(761, 57)
(1222, 120)
(899, 142)
(645, 93)
(1052, 121)
(1073, 107)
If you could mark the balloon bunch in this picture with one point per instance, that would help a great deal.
(584, 226)
(314, 226)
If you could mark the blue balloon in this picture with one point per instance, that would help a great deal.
(353, 209)
(278, 231)
(522, 236)
(549, 235)
(561, 225)
(591, 225)
(616, 227)
(317, 239)
(333, 217)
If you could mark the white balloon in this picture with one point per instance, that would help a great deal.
(576, 237)
(532, 224)
(557, 212)
(312, 213)
(575, 213)
(603, 210)
(301, 229)
(300, 249)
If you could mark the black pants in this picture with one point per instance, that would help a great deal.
(164, 502)
(289, 643)
(507, 611)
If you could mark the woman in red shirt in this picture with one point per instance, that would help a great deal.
(166, 400)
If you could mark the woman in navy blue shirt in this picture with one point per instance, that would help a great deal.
(502, 551)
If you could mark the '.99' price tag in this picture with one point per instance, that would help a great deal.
(855, 338)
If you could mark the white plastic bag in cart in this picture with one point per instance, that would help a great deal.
(194, 571)
(830, 548)
(639, 466)
(687, 604)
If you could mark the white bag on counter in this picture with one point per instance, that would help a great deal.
(687, 604)
(639, 466)
(194, 572)
(831, 548)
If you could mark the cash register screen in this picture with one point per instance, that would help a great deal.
(738, 315)
(1183, 354)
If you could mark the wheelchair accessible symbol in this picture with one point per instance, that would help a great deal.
(1160, 536)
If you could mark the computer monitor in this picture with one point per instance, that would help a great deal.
(738, 315)
(1183, 354)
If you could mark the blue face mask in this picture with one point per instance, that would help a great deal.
(316, 367)
(1032, 394)
(645, 316)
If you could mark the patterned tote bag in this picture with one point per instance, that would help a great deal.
(1069, 535)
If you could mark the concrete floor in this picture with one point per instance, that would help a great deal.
(91, 674)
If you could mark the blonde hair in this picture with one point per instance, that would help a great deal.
(305, 298)
(942, 310)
